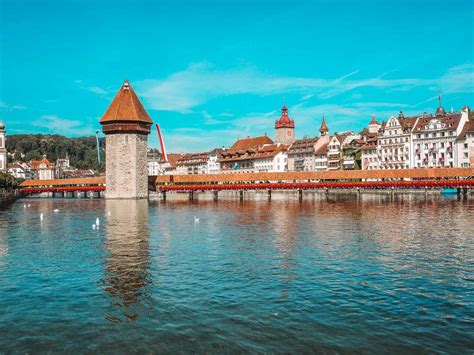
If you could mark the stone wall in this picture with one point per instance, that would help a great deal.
(126, 166)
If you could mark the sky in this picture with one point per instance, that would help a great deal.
(210, 72)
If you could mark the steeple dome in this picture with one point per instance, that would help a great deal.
(284, 121)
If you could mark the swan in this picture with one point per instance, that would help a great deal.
(55, 210)
(196, 220)
(41, 216)
(97, 222)
(93, 226)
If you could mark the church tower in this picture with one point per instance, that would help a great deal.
(284, 128)
(3, 148)
(323, 130)
(126, 126)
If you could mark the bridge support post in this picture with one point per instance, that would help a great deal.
(191, 195)
(269, 195)
(163, 194)
(216, 195)
(358, 192)
(241, 194)
(327, 191)
(300, 195)
(464, 193)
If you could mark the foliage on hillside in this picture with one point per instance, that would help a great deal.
(82, 151)
(8, 181)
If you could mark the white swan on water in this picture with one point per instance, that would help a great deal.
(97, 222)
(93, 226)
(196, 220)
(55, 210)
(41, 216)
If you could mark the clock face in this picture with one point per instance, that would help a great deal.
(289, 133)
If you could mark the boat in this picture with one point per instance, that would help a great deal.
(449, 191)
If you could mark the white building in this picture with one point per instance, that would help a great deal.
(465, 143)
(394, 142)
(434, 139)
(44, 169)
(22, 170)
(199, 163)
(3, 149)
(271, 158)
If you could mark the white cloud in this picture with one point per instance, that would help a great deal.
(7, 107)
(59, 125)
(201, 82)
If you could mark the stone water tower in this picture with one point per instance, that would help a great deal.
(126, 126)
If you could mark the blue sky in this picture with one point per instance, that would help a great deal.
(213, 71)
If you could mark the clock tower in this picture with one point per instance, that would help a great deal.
(284, 128)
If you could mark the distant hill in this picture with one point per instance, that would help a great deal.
(82, 151)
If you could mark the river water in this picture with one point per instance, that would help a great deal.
(328, 274)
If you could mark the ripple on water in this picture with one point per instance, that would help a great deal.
(330, 274)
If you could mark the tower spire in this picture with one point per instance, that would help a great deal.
(324, 128)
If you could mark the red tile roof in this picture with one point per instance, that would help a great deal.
(450, 120)
(271, 150)
(250, 143)
(126, 107)
(35, 164)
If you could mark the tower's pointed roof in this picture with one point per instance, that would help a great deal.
(324, 127)
(126, 107)
(373, 120)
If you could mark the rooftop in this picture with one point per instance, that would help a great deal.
(126, 107)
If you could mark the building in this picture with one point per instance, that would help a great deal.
(394, 143)
(240, 157)
(435, 138)
(465, 144)
(199, 163)
(193, 163)
(284, 128)
(159, 166)
(301, 155)
(368, 155)
(22, 170)
(44, 169)
(334, 152)
(3, 149)
(271, 158)
(126, 125)
(351, 154)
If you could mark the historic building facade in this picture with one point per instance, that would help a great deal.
(394, 144)
(271, 158)
(126, 125)
(434, 139)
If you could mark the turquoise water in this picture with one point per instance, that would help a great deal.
(329, 274)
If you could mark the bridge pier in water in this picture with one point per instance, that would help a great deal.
(216, 195)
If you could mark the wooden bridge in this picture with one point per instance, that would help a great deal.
(435, 178)
(65, 187)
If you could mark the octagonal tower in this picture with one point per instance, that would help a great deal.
(126, 126)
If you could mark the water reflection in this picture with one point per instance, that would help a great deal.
(127, 262)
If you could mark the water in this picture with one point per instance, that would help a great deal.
(330, 275)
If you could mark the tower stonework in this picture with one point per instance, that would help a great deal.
(284, 128)
(126, 126)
